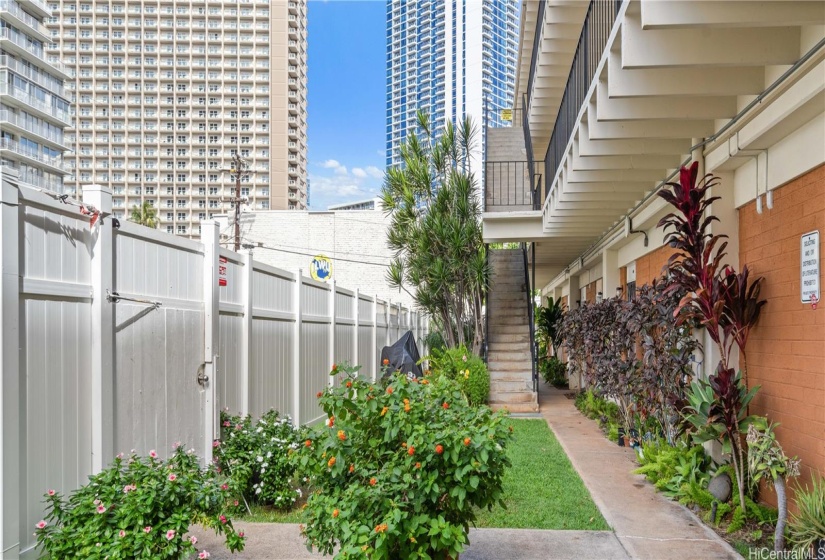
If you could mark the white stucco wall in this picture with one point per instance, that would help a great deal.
(355, 240)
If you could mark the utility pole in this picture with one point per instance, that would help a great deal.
(239, 168)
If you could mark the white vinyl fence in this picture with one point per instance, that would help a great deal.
(116, 339)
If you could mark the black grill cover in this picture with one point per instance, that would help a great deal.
(403, 356)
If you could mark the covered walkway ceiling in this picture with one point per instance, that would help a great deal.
(673, 73)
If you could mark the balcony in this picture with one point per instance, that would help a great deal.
(11, 12)
(12, 42)
(21, 98)
(12, 149)
(40, 78)
(37, 131)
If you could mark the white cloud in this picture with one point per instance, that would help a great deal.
(375, 172)
(358, 172)
(330, 164)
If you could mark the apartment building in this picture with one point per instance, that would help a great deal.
(164, 93)
(448, 59)
(34, 105)
(618, 95)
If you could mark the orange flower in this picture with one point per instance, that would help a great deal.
(425, 382)
(373, 481)
(342, 435)
(384, 410)
(407, 408)
(349, 384)
(389, 390)
(411, 450)
(307, 443)
(466, 441)
(418, 465)
(445, 406)
(381, 528)
(319, 394)
(334, 368)
(351, 468)
(386, 362)
(334, 513)
(439, 449)
(331, 462)
(404, 444)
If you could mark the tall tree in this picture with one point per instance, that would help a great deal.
(145, 215)
(435, 230)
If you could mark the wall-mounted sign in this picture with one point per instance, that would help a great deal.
(507, 115)
(809, 269)
(321, 268)
(221, 271)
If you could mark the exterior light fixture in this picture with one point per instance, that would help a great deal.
(599, 297)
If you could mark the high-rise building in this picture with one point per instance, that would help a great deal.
(164, 92)
(34, 105)
(448, 58)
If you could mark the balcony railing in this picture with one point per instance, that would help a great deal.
(34, 50)
(39, 129)
(508, 187)
(14, 9)
(536, 44)
(601, 15)
(35, 103)
(16, 147)
(40, 78)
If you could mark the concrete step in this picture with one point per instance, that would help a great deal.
(521, 376)
(507, 296)
(495, 346)
(499, 311)
(495, 366)
(509, 319)
(496, 331)
(499, 386)
(515, 407)
(512, 354)
(502, 339)
(513, 397)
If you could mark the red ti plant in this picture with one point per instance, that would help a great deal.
(742, 309)
(695, 265)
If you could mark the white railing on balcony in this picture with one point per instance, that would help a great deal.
(37, 51)
(14, 9)
(33, 127)
(32, 101)
(16, 147)
(40, 78)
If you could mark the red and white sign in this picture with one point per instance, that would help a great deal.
(222, 271)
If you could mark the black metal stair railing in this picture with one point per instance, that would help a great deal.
(598, 23)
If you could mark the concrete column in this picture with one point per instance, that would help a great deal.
(101, 354)
(610, 273)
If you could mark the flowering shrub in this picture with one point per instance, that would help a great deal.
(399, 469)
(254, 456)
(466, 369)
(138, 508)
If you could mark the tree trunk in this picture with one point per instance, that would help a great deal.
(782, 505)
(738, 466)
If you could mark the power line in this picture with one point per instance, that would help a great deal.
(312, 255)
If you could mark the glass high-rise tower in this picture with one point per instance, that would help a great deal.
(447, 57)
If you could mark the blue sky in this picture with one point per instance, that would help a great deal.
(347, 92)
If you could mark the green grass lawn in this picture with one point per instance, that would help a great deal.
(541, 489)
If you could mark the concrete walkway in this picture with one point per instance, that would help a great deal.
(648, 525)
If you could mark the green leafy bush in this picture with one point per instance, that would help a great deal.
(554, 371)
(399, 470)
(254, 457)
(669, 468)
(138, 508)
(467, 370)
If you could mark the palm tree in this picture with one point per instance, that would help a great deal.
(145, 215)
(548, 323)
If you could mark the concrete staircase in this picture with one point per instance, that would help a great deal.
(507, 185)
(509, 359)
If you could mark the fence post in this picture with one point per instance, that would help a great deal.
(101, 352)
(247, 300)
(10, 450)
(296, 350)
(331, 348)
(210, 237)
(356, 308)
(387, 317)
(374, 344)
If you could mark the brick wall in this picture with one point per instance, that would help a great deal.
(786, 350)
(649, 267)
